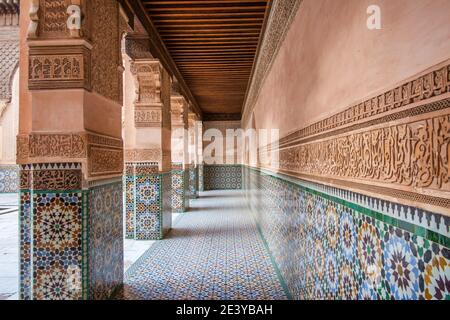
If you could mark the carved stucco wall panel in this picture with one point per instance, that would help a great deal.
(148, 104)
(104, 154)
(106, 56)
(396, 144)
(100, 63)
(59, 67)
(135, 155)
(147, 113)
(9, 57)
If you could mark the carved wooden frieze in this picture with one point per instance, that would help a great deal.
(59, 67)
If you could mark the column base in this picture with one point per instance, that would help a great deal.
(201, 187)
(71, 240)
(180, 189)
(193, 182)
(148, 201)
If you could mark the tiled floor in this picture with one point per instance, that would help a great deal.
(134, 249)
(213, 252)
(9, 248)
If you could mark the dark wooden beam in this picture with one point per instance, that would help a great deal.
(212, 43)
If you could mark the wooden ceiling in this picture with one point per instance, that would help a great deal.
(213, 44)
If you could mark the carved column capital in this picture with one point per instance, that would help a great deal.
(148, 102)
(178, 111)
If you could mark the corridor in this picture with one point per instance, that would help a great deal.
(214, 251)
(225, 149)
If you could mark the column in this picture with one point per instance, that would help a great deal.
(180, 156)
(199, 131)
(70, 150)
(147, 179)
(193, 156)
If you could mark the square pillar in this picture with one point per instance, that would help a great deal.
(200, 155)
(147, 179)
(180, 156)
(180, 185)
(193, 156)
(70, 151)
(148, 201)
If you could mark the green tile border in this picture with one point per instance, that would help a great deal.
(405, 225)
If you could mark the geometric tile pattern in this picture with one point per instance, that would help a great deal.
(210, 254)
(147, 207)
(329, 248)
(222, 177)
(128, 181)
(147, 199)
(200, 178)
(9, 178)
(193, 182)
(70, 240)
(166, 202)
(180, 190)
(105, 240)
(57, 245)
(25, 225)
(52, 229)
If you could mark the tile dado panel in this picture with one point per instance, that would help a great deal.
(222, 177)
(193, 182)
(180, 188)
(147, 207)
(71, 242)
(9, 178)
(335, 244)
(200, 178)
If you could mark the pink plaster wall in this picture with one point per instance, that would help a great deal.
(330, 60)
(219, 131)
